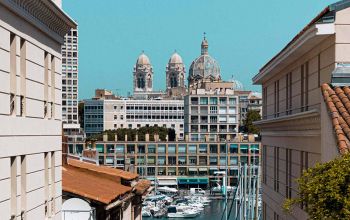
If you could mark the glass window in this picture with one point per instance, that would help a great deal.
(222, 100)
(193, 160)
(161, 171)
(110, 148)
(151, 171)
(192, 148)
(182, 160)
(141, 148)
(244, 148)
(244, 160)
(214, 148)
(232, 110)
(222, 110)
(234, 148)
(131, 148)
(140, 160)
(232, 101)
(203, 148)
(151, 160)
(79, 148)
(234, 160)
(204, 101)
(222, 160)
(120, 149)
(161, 148)
(109, 160)
(161, 160)
(213, 160)
(100, 148)
(182, 148)
(171, 148)
(213, 100)
(254, 148)
(171, 160)
(120, 160)
(223, 148)
(151, 149)
(254, 160)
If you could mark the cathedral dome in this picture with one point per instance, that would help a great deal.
(143, 60)
(175, 59)
(204, 67)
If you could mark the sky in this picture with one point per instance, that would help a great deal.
(242, 36)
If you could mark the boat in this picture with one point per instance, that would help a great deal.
(146, 213)
(179, 212)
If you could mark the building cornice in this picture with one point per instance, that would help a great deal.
(43, 14)
(308, 120)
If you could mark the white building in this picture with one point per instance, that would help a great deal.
(211, 107)
(30, 108)
(70, 83)
(110, 114)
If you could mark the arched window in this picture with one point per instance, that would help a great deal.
(140, 82)
(173, 81)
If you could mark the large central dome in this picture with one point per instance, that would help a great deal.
(204, 67)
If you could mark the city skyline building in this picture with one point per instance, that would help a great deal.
(70, 82)
(31, 36)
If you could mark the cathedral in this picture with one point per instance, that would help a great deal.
(202, 70)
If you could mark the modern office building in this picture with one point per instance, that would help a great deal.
(211, 107)
(31, 36)
(108, 112)
(181, 163)
(298, 127)
(70, 61)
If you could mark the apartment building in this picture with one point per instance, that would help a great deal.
(30, 112)
(70, 61)
(297, 129)
(248, 100)
(181, 163)
(111, 114)
(211, 107)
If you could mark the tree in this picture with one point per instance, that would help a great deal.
(248, 127)
(325, 190)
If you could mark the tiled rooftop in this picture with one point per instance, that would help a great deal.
(92, 185)
(337, 100)
(102, 169)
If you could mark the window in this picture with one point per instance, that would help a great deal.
(213, 110)
(244, 148)
(171, 149)
(234, 148)
(203, 148)
(222, 100)
(131, 148)
(213, 160)
(276, 169)
(222, 110)
(120, 149)
(213, 100)
(161, 160)
(192, 149)
(234, 160)
(203, 100)
(182, 160)
(232, 101)
(222, 161)
(110, 148)
(171, 160)
(161, 148)
(151, 149)
(182, 148)
(213, 148)
(192, 160)
(151, 160)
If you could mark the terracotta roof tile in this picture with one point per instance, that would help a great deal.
(142, 186)
(103, 169)
(338, 103)
(91, 184)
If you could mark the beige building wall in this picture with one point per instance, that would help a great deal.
(30, 118)
(296, 128)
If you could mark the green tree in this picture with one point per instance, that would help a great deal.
(324, 190)
(248, 125)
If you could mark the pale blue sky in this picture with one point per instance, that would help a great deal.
(242, 35)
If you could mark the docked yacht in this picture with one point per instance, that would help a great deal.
(181, 212)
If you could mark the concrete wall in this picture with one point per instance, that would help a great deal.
(30, 142)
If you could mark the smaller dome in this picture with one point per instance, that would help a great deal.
(143, 60)
(175, 58)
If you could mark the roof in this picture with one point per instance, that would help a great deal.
(337, 100)
(142, 186)
(103, 169)
(319, 18)
(92, 185)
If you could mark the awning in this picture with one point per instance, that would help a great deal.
(213, 168)
(189, 180)
(167, 182)
(203, 169)
(192, 169)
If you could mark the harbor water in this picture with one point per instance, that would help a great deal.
(212, 212)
